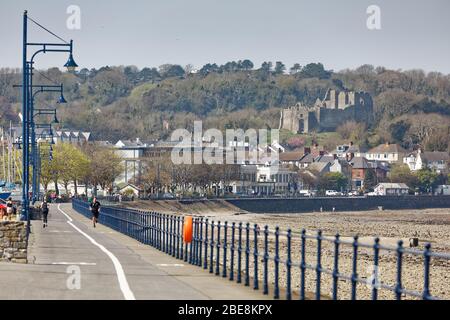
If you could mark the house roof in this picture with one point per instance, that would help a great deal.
(359, 163)
(386, 185)
(325, 158)
(319, 166)
(388, 148)
(291, 156)
(308, 158)
(435, 156)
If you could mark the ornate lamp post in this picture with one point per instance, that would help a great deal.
(28, 95)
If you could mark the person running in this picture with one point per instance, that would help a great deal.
(95, 209)
(44, 209)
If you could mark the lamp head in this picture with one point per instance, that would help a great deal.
(71, 65)
(61, 99)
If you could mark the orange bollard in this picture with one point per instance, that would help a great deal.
(188, 229)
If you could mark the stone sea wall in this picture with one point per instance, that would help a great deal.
(13, 242)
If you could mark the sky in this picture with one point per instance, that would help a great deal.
(414, 34)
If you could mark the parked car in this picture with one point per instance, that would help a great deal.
(333, 193)
(353, 193)
(305, 193)
(372, 194)
(168, 196)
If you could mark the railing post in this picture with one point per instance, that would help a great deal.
(303, 265)
(375, 280)
(192, 244)
(167, 229)
(426, 295)
(178, 237)
(247, 255)
(276, 288)
(232, 250)
(336, 266)
(398, 286)
(225, 235)
(288, 266)
(319, 264)
(354, 267)
(255, 258)
(200, 243)
(205, 261)
(211, 258)
(239, 268)
(218, 249)
(266, 261)
(171, 251)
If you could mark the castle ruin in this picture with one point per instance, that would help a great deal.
(335, 109)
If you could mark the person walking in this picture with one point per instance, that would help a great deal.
(9, 207)
(44, 210)
(95, 209)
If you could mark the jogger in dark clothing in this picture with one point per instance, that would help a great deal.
(95, 209)
(44, 209)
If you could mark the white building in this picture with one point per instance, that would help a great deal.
(132, 153)
(391, 153)
(418, 160)
(391, 189)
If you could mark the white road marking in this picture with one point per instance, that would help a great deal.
(123, 283)
(170, 265)
(58, 231)
(74, 263)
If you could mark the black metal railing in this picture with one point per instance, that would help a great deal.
(290, 265)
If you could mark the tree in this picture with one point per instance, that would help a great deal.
(279, 67)
(315, 70)
(370, 179)
(402, 174)
(105, 167)
(171, 70)
(332, 181)
(427, 179)
(266, 67)
(296, 68)
(246, 65)
(352, 131)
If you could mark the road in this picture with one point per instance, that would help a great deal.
(70, 260)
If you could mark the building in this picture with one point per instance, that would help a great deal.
(391, 189)
(438, 161)
(360, 166)
(70, 136)
(264, 180)
(328, 114)
(132, 153)
(391, 153)
(291, 158)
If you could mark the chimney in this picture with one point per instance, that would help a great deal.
(307, 150)
(351, 143)
(321, 153)
(335, 156)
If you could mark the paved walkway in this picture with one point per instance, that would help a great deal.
(112, 266)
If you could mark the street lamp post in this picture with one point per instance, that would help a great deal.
(27, 103)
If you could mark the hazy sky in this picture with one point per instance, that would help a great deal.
(414, 34)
